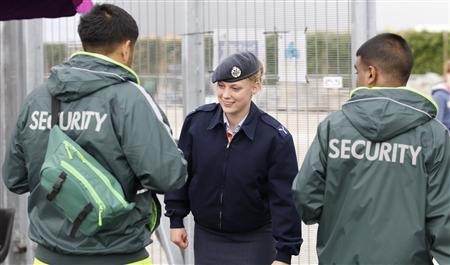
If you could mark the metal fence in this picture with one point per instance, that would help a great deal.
(305, 46)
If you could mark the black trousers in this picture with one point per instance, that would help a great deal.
(217, 248)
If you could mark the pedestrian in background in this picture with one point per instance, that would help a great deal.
(441, 94)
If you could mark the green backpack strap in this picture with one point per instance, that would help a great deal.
(156, 213)
(80, 218)
(57, 186)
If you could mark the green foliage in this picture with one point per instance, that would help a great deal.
(153, 56)
(146, 54)
(54, 53)
(271, 74)
(329, 53)
(427, 49)
(209, 53)
(173, 51)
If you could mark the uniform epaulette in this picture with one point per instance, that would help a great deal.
(282, 131)
(204, 108)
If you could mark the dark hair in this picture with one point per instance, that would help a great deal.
(390, 53)
(105, 26)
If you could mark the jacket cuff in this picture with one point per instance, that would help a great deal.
(176, 222)
(283, 257)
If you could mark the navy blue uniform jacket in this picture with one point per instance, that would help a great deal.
(242, 186)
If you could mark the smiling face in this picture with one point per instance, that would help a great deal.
(235, 97)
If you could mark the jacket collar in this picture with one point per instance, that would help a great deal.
(110, 60)
(249, 126)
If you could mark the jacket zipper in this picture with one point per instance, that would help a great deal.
(68, 146)
(220, 211)
(91, 190)
(227, 152)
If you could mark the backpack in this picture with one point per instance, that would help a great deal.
(85, 193)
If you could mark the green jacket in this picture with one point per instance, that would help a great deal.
(377, 181)
(107, 113)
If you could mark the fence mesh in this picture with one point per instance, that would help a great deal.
(305, 47)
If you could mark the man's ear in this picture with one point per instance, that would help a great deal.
(372, 76)
(125, 51)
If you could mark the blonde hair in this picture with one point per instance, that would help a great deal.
(258, 76)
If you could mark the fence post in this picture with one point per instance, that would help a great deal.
(173, 253)
(193, 57)
(363, 26)
(21, 69)
(193, 65)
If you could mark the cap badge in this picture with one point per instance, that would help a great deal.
(235, 72)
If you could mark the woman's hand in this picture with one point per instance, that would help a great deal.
(179, 237)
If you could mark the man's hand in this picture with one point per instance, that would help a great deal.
(179, 237)
(276, 262)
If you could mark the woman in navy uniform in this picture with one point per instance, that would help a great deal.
(241, 165)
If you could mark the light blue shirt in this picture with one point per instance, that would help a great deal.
(228, 127)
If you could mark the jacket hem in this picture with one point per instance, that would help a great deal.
(50, 257)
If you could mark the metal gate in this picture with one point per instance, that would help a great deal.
(305, 45)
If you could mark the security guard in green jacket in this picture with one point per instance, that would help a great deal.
(105, 110)
(377, 176)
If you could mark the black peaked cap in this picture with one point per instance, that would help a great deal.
(236, 67)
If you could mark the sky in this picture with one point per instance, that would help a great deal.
(402, 15)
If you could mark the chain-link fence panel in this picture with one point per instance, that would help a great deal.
(305, 47)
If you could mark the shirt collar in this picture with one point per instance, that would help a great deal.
(249, 123)
(227, 124)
